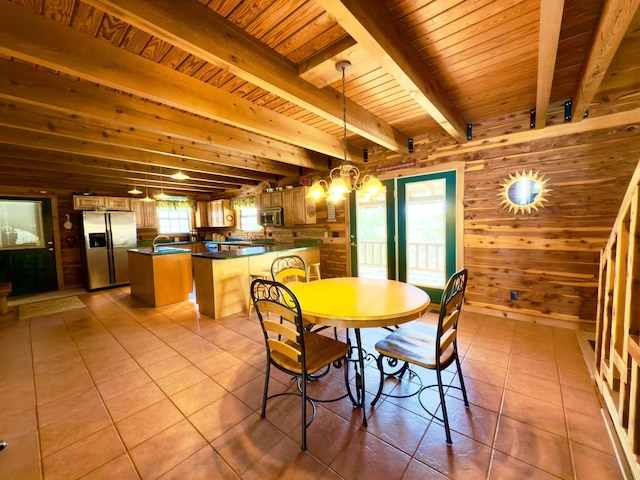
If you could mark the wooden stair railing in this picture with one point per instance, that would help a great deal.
(617, 347)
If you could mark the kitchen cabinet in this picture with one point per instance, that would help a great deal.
(287, 208)
(222, 279)
(304, 209)
(94, 202)
(271, 199)
(220, 214)
(201, 215)
(146, 213)
(160, 279)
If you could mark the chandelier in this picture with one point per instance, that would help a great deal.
(346, 178)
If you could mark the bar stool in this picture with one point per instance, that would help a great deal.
(265, 275)
(314, 271)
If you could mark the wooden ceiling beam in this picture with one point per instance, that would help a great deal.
(199, 30)
(38, 119)
(614, 21)
(614, 120)
(47, 141)
(312, 70)
(371, 26)
(91, 178)
(35, 38)
(22, 82)
(123, 171)
(549, 36)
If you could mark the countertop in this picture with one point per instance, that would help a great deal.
(227, 242)
(252, 250)
(160, 250)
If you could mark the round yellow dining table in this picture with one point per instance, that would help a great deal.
(355, 303)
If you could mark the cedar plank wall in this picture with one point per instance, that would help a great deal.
(551, 257)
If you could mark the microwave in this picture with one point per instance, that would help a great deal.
(271, 217)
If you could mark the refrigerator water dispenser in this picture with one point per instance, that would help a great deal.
(97, 240)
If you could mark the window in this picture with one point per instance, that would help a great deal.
(21, 224)
(249, 220)
(174, 220)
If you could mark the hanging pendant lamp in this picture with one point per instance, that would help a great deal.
(345, 178)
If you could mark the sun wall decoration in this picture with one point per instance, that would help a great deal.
(524, 192)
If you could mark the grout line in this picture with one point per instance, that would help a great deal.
(504, 389)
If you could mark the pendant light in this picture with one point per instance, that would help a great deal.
(147, 198)
(161, 195)
(341, 181)
(134, 190)
(179, 175)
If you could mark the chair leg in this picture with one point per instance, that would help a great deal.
(266, 390)
(445, 419)
(304, 413)
(462, 387)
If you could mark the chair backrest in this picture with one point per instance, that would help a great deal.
(450, 306)
(283, 328)
(289, 268)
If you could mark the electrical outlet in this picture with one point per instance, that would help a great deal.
(514, 295)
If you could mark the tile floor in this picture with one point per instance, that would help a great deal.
(120, 390)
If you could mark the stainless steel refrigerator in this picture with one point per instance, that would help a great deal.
(107, 237)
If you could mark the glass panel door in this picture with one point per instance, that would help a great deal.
(27, 256)
(374, 251)
(427, 231)
(420, 212)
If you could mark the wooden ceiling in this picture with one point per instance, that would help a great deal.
(96, 95)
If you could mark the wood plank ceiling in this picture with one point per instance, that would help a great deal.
(96, 95)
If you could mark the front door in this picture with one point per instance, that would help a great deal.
(409, 236)
(27, 257)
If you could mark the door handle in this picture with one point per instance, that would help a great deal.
(353, 244)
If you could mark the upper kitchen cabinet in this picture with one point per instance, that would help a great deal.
(297, 209)
(94, 202)
(221, 214)
(146, 213)
(287, 208)
(271, 199)
(304, 209)
(201, 215)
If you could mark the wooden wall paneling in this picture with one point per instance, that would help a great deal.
(550, 256)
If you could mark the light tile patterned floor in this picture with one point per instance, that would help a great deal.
(120, 390)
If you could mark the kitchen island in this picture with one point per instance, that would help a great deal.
(160, 276)
(222, 278)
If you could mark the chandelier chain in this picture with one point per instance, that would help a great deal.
(344, 114)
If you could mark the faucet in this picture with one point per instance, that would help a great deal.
(154, 244)
(248, 238)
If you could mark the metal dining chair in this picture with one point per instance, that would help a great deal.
(433, 347)
(291, 348)
(289, 268)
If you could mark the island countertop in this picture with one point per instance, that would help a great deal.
(222, 279)
(160, 251)
(251, 251)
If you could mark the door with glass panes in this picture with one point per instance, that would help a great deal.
(27, 254)
(410, 235)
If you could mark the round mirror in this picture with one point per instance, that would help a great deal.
(524, 191)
